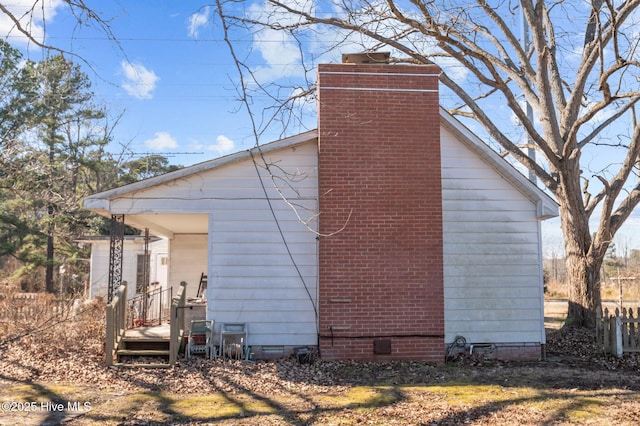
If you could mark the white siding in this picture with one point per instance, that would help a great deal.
(492, 270)
(187, 262)
(99, 274)
(235, 182)
(252, 277)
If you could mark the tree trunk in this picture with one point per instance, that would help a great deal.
(49, 284)
(583, 264)
(583, 279)
(50, 212)
(583, 260)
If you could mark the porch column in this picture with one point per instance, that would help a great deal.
(145, 276)
(116, 245)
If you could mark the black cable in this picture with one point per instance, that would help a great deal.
(277, 222)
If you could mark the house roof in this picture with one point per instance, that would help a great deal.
(100, 202)
(168, 224)
(94, 201)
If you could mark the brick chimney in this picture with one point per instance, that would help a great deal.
(380, 253)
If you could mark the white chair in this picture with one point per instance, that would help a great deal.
(233, 341)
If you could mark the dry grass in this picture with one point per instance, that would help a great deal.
(64, 364)
(611, 290)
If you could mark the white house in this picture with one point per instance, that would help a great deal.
(132, 263)
(387, 233)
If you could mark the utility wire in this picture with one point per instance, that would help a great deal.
(284, 240)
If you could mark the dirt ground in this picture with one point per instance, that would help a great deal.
(59, 377)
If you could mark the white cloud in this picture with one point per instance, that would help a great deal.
(280, 54)
(279, 50)
(161, 141)
(140, 82)
(31, 18)
(223, 145)
(197, 21)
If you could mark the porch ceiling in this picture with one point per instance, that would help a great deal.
(165, 225)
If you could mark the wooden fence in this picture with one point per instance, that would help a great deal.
(619, 332)
(177, 322)
(32, 306)
(116, 323)
(22, 311)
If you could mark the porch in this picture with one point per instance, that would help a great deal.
(148, 330)
(152, 342)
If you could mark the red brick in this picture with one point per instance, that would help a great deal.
(379, 173)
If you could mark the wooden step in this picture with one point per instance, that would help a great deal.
(145, 339)
(143, 352)
(141, 365)
(145, 344)
(156, 342)
(160, 358)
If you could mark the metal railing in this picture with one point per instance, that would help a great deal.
(150, 309)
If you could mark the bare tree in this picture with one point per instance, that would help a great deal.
(578, 73)
(24, 19)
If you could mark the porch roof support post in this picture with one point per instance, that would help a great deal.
(145, 277)
(116, 245)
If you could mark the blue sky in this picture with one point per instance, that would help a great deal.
(172, 76)
(170, 73)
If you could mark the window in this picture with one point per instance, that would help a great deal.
(142, 272)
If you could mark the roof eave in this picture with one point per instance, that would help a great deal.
(99, 202)
(545, 205)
